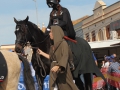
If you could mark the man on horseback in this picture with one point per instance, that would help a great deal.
(60, 16)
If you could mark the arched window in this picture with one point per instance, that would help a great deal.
(87, 37)
(108, 32)
(93, 36)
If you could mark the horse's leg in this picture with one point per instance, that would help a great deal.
(79, 83)
(88, 81)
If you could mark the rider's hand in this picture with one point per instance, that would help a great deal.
(55, 69)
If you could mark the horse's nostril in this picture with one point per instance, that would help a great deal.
(18, 49)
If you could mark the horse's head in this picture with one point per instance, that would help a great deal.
(21, 32)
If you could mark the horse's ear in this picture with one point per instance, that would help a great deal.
(26, 20)
(15, 20)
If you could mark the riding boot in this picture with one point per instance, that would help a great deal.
(88, 81)
(79, 83)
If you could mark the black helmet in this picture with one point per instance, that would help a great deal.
(50, 3)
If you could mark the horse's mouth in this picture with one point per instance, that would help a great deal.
(18, 49)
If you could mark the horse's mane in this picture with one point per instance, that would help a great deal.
(35, 27)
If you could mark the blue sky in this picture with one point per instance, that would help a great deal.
(21, 8)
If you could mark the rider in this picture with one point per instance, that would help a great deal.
(60, 16)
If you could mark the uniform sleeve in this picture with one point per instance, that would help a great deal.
(94, 57)
(64, 59)
(69, 26)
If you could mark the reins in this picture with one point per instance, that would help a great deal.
(39, 61)
(40, 64)
(41, 41)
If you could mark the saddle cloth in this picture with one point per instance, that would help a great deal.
(3, 68)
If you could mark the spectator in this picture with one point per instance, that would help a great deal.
(114, 66)
(110, 58)
(119, 64)
(114, 69)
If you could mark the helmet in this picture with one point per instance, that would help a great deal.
(52, 3)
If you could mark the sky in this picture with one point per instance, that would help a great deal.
(20, 9)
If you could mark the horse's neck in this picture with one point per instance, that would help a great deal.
(42, 44)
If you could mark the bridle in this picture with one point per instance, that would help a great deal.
(24, 29)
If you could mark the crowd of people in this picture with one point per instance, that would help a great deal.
(111, 65)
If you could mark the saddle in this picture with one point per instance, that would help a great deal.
(3, 68)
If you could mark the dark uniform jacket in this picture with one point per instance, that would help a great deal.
(64, 21)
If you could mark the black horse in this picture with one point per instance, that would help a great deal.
(27, 31)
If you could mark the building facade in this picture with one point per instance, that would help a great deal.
(101, 29)
(78, 26)
(104, 24)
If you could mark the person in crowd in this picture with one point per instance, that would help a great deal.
(114, 66)
(60, 16)
(105, 64)
(119, 64)
(60, 73)
(110, 58)
(114, 69)
(107, 60)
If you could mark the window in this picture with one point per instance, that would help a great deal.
(93, 36)
(108, 32)
(87, 37)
